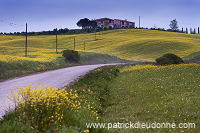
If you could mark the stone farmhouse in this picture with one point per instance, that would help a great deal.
(113, 23)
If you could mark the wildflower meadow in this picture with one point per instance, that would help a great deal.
(129, 93)
(149, 93)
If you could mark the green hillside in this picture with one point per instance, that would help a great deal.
(145, 93)
(148, 93)
(130, 44)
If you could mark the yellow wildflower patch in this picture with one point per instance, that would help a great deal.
(146, 67)
(47, 107)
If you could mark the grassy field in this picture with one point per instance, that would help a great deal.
(143, 93)
(148, 93)
(108, 47)
(130, 44)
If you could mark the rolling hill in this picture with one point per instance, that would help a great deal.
(129, 44)
(145, 93)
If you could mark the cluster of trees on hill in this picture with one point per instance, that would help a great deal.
(50, 32)
(174, 28)
(60, 31)
(91, 26)
(86, 24)
(186, 30)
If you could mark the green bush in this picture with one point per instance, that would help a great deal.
(168, 59)
(71, 55)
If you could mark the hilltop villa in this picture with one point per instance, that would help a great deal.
(113, 23)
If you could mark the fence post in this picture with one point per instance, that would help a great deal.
(26, 46)
(56, 41)
(139, 22)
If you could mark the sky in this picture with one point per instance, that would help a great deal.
(44, 15)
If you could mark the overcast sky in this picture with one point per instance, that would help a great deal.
(49, 14)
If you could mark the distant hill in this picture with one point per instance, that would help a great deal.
(130, 44)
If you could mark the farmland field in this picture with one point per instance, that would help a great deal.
(130, 44)
(149, 94)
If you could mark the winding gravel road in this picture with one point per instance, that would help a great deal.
(56, 78)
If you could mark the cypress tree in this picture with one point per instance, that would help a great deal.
(194, 31)
(186, 30)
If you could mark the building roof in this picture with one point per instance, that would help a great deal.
(124, 20)
(102, 19)
(112, 20)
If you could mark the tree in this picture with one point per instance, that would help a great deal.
(174, 25)
(194, 31)
(86, 23)
(93, 24)
(83, 23)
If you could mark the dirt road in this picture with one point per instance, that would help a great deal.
(56, 78)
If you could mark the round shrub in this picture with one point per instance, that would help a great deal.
(71, 55)
(163, 61)
(168, 59)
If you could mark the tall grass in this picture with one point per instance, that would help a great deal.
(156, 93)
